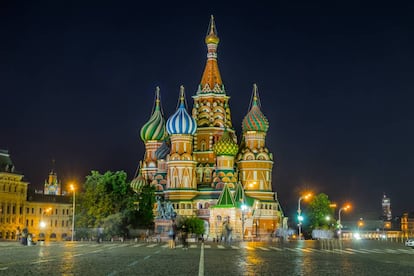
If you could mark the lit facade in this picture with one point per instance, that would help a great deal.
(13, 191)
(195, 161)
(44, 215)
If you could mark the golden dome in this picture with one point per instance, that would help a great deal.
(212, 33)
(212, 38)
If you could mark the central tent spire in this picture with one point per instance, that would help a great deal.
(211, 81)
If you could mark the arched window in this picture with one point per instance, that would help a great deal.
(207, 175)
(203, 145)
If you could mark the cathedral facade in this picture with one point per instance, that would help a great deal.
(194, 159)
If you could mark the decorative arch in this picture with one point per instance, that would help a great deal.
(218, 123)
(203, 122)
(248, 156)
(175, 156)
(220, 186)
(263, 156)
(219, 109)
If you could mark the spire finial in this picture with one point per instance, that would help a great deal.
(182, 97)
(212, 27)
(157, 95)
(157, 98)
(212, 37)
(181, 92)
(255, 97)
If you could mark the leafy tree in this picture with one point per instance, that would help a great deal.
(105, 195)
(193, 225)
(112, 225)
(144, 216)
(319, 212)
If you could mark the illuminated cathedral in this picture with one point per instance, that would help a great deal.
(195, 161)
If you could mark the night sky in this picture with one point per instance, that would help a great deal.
(77, 83)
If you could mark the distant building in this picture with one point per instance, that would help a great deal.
(407, 225)
(45, 215)
(13, 192)
(376, 229)
(52, 185)
(386, 208)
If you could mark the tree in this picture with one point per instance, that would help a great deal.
(320, 213)
(144, 216)
(104, 196)
(193, 225)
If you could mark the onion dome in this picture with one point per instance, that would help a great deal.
(212, 37)
(138, 183)
(181, 122)
(226, 145)
(154, 129)
(255, 120)
(162, 151)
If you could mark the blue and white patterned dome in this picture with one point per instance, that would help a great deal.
(181, 122)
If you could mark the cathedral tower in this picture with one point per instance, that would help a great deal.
(181, 181)
(255, 162)
(211, 111)
(153, 133)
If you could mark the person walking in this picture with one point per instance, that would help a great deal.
(171, 238)
(184, 236)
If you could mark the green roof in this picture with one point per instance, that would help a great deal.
(239, 193)
(226, 199)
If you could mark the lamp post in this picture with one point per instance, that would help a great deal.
(73, 210)
(339, 218)
(300, 218)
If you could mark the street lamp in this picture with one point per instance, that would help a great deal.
(300, 218)
(72, 187)
(360, 223)
(339, 218)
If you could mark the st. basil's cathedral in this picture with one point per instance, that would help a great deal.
(196, 163)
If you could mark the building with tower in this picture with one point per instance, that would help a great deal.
(46, 214)
(386, 208)
(195, 161)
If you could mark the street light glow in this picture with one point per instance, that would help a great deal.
(346, 207)
(72, 187)
(300, 218)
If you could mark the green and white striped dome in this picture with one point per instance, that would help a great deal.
(154, 129)
(138, 183)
